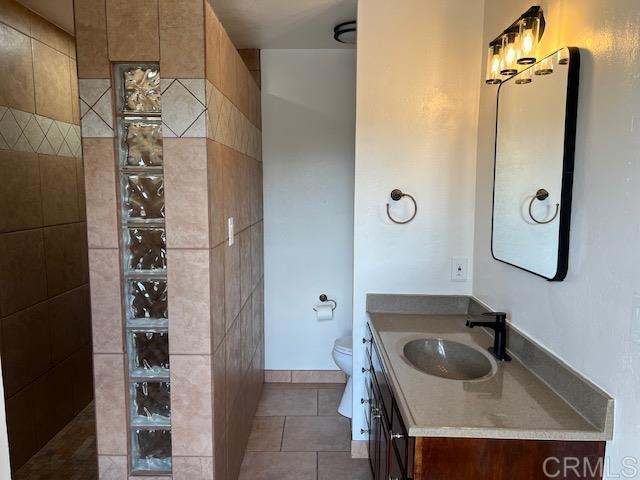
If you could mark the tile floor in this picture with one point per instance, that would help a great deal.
(70, 455)
(298, 434)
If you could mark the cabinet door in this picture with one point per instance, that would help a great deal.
(373, 424)
(383, 467)
(395, 466)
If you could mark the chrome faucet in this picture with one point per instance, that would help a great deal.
(499, 326)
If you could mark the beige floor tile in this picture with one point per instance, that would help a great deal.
(266, 434)
(328, 400)
(307, 386)
(316, 434)
(279, 465)
(340, 466)
(281, 401)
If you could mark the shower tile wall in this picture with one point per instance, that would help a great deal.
(235, 185)
(44, 292)
(212, 171)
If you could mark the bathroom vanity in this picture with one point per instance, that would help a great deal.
(530, 418)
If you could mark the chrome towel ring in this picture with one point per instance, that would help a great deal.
(541, 195)
(396, 195)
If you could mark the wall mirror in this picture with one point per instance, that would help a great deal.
(534, 158)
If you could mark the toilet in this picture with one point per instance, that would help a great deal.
(343, 356)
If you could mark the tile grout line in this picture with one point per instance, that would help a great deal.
(284, 424)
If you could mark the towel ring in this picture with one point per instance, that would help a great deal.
(541, 195)
(396, 195)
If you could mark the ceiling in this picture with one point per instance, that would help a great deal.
(58, 12)
(250, 23)
(284, 23)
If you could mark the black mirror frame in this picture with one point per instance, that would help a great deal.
(571, 115)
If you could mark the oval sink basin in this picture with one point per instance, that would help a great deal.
(447, 359)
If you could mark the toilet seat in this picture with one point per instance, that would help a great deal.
(344, 345)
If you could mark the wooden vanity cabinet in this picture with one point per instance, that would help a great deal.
(390, 448)
(394, 455)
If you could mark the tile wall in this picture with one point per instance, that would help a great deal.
(212, 171)
(45, 328)
(251, 58)
(234, 151)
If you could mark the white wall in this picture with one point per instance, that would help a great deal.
(416, 127)
(308, 118)
(585, 320)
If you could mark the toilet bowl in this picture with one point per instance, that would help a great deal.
(343, 356)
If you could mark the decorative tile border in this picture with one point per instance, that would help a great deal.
(226, 124)
(96, 108)
(183, 107)
(28, 132)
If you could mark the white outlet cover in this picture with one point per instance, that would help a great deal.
(230, 231)
(459, 267)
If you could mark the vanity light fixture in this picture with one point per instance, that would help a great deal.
(493, 65)
(529, 28)
(510, 52)
(516, 46)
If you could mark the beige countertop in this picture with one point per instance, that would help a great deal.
(513, 403)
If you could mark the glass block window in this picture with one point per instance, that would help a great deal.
(144, 249)
(150, 403)
(143, 197)
(146, 300)
(151, 449)
(140, 142)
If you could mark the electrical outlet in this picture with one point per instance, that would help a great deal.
(230, 230)
(459, 267)
(635, 318)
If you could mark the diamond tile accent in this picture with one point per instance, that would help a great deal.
(94, 127)
(164, 84)
(27, 132)
(46, 148)
(55, 137)
(34, 133)
(183, 103)
(44, 122)
(92, 89)
(22, 145)
(9, 128)
(96, 108)
(22, 117)
(226, 124)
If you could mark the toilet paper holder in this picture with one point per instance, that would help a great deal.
(323, 298)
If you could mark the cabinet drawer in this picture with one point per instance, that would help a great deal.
(368, 341)
(381, 382)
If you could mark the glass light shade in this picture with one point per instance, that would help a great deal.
(524, 77)
(544, 66)
(529, 33)
(510, 53)
(493, 64)
(563, 56)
